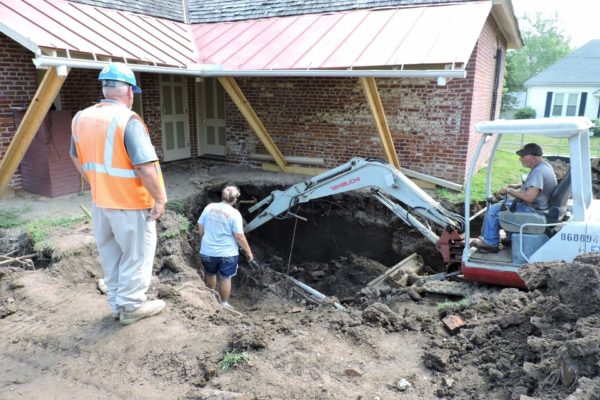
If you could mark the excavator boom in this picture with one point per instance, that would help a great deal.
(388, 185)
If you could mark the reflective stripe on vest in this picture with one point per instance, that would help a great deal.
(113, 179)
(109, 149)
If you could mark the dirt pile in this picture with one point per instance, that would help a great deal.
(59, 340)
(543, 343)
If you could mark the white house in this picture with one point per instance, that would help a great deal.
(569, 87)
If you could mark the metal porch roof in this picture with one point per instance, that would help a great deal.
(87, 31)
(434, 35)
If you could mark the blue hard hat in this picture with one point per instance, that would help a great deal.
(119, 72)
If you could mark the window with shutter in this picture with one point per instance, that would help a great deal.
(565, 104)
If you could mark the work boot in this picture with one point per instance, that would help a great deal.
(147, 309)
(227, 306)
(116, 312)
(483, 247)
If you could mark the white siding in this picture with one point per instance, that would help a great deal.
(536, 98)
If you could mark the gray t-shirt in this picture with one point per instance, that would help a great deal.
(542, 177)
(137, 142)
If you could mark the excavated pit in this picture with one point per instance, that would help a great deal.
(346, 241)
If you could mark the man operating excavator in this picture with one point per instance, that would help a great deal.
(531, 196)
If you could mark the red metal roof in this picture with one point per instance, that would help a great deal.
(431, 35)
(73, 27)
(444, 34)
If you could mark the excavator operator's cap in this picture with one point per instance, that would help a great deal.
(530, 149)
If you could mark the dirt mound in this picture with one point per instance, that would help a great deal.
(60, 341)
(542, 343)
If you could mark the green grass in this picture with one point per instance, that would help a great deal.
(12, 218)
(508, 169)
(233, 358)
(176, 205)
(453, 305)
(40, 229)
(552, 146)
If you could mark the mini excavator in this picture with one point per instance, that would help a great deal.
(570, 226)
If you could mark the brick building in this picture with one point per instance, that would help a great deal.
(289, 82)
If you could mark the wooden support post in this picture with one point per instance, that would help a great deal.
(374, 100)
(31, 122)
(234, 91)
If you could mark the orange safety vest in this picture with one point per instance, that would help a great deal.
(99, 136)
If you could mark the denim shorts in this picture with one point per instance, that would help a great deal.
(225, 266)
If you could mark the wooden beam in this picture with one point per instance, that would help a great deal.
(289, 159)
(431, 179)
(293, 169)
(234, 91)
(374, 100)
(30, 124)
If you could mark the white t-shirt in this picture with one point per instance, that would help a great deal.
(221, 222)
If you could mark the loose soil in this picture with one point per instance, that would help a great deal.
(60, 341)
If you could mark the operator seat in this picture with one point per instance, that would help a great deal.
(512, 221)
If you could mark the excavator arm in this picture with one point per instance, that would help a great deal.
(390, 186)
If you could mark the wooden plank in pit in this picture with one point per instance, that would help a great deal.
(411, 265)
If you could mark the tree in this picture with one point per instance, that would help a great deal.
(543, 44)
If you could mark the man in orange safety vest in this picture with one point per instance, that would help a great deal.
(111, 148)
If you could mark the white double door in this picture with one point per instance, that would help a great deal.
(211, 110)
(174, 117)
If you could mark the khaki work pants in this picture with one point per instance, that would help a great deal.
(126, 243)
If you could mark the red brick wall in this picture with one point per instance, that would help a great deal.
(80, 90)
(483, 69)
(432, 126)
(150, 85)
(17, 88)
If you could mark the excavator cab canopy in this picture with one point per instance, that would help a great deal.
(579, 233)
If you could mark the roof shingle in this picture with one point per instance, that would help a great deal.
(237, 10)
(167, 9)
(580, 67)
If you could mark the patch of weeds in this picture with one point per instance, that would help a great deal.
(12, 218)
(168, 235)
(232, 359)
(450, 195)
(176, 205)
(184, 226)
(40, 229)
(453, 305)
(184, 223)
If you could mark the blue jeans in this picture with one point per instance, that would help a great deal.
(225, 266)
(491, 225)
